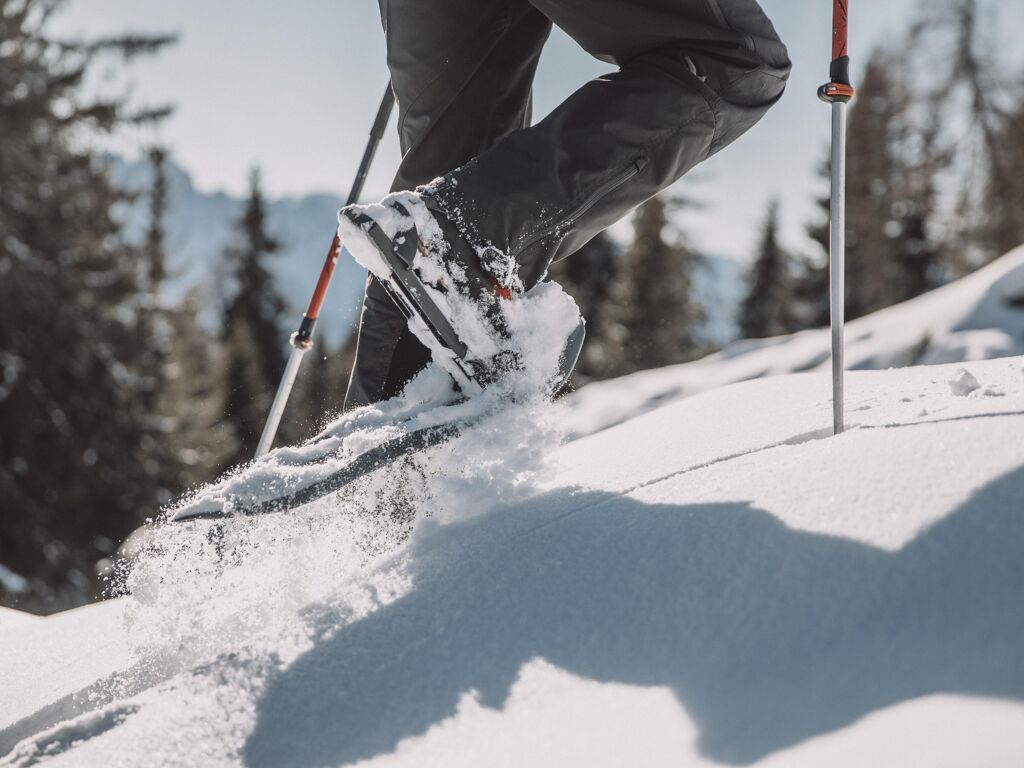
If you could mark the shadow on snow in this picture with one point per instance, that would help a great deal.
(767, 635)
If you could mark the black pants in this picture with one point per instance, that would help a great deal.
(692, 76)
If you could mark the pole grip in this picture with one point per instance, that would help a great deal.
(839, 70)
(839, 87)
(840, 21)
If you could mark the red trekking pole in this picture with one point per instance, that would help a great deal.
(302, 340)
(838, 92)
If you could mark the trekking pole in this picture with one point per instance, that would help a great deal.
(302, 340)
(838, 92)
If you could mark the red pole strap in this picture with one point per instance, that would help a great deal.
(839, 29)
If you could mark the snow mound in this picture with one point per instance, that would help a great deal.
(977, 318)
(717, 582)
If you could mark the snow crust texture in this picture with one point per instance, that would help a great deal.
(715, 582)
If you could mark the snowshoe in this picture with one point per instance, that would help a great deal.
(452, 301)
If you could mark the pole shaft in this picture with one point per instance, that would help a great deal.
(837, 258)
(284, 389)
(302, 339)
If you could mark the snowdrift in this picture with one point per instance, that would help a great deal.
(717, 582)
(977, 318)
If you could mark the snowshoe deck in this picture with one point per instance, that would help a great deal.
(365, 463)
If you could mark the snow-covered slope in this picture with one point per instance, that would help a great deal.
(976, 318)
(717, 582)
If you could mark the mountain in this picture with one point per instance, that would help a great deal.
(200, 224)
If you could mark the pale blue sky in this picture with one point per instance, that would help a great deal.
(294, 86)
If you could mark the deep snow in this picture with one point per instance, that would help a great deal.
(716, 581)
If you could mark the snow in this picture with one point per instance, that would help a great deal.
(715, 582)
(706, 577)
(963, 383)
(976, 318)
(11, 581)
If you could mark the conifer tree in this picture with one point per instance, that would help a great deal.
(961, 74)
(589, 276)
(151, 326)
(252, 338)
(194, 438)
(891, 254)
(767, 309)
(73, 436)
(154, 250)
(1002, 227)
(657, 316)
(316, 397)
(187, 441)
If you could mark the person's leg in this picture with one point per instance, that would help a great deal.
(693, 76)
(462, 72)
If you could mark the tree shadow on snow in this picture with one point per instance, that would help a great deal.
(767, 635)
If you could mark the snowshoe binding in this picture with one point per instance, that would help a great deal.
(451, 294)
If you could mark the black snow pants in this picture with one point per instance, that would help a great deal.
(692, 76)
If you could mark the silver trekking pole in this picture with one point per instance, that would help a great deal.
(302, 340)
(838, 92)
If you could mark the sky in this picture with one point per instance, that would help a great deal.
(293, 87)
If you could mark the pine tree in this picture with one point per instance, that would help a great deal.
(253, 343)
(154, 251)
(1002, 227)
(892, 166)
(194, 438)
(657, 316)
(73, 455)
(151, 326)
(768, 309)
(959, 72)
(317, 396)
(589, 276)
(187, 441)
